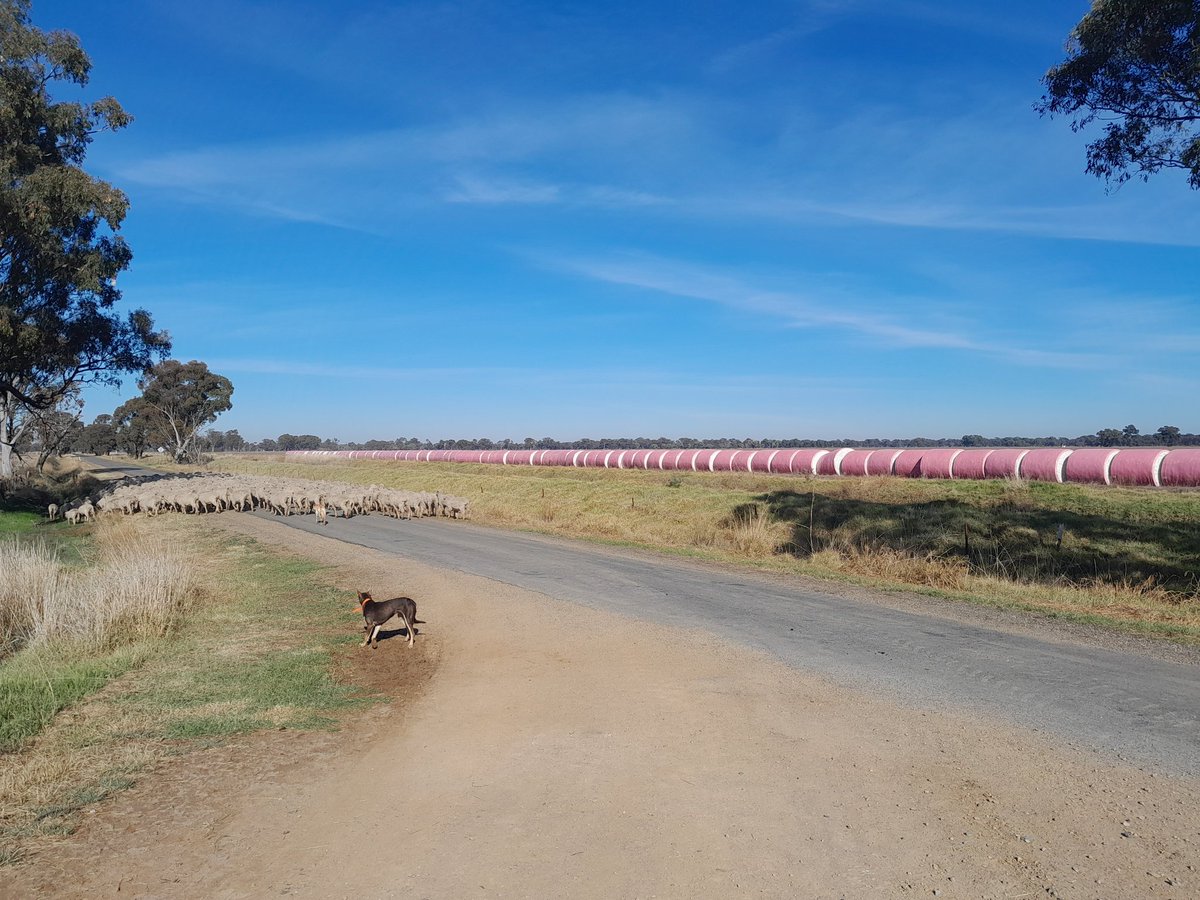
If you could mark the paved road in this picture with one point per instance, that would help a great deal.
(1139, 708)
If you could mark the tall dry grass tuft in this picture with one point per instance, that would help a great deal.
(29, 572)
(134, 587)
(750, 532)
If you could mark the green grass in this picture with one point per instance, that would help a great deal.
(71, 540)
(261, 658)
(18, 522)
(36, 684)
(256, 653)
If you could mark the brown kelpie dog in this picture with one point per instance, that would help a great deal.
(377, 612)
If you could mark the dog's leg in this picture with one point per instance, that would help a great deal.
(409, 626)
(375, 636)
(366, 635)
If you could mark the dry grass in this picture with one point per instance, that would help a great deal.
(1129, 556)
(29, 572)
(78, 721)
(133, 586)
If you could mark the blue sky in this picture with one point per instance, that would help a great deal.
(818, 218)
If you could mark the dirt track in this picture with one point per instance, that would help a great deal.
(541, 749)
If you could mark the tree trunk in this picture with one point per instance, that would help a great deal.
(8, 415)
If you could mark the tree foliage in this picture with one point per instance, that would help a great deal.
(178, 399)
(59, 251)
(1135, 66)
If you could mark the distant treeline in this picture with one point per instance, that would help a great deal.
(1129, 436)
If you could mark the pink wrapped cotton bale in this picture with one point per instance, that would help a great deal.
(760, 460)
(686, 460)
(805, 462)
(855, 462)
(721, 461)
(666, 462)
(828, 464)
(654, 459)
(1003, 463)
(882, 461)
(781, 463)
(1181, 468)
(637, 459)
(908, 463)
(1138, 467)
(938, 462)
(1045, 464)
(1089, 465)
(741, 461)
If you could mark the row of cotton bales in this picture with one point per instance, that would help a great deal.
(1092, 465)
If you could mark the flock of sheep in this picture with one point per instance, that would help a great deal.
(205, 493)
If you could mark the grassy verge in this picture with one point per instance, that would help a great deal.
(1127, 557)
(80, 721)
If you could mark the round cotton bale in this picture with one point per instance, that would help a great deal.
(684, 459)
(1137, 467)
(805, 462)
(780, 462)
(666, 462)
(908, 463)
(855, 462)
(938, 462)
(1181, 468)
(741, 461)
(827, 464)
(722, 461)
(761, 461)
(636, 459)
(654, 459)
(1044, 464)
(1089, 465)
(881, 462)
(1003, 463)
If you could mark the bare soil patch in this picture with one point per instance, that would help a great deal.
(540, 749)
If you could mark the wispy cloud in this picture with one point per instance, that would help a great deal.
(819, 308)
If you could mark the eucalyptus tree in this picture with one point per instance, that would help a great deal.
(1135, 66)
(60, 253)
(178, 399)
